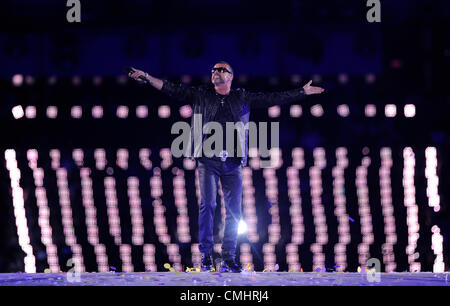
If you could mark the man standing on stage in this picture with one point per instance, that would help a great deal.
(219, 103)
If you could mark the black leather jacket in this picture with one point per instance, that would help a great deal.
(205, 101)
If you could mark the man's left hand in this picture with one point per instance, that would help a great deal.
(311, 90)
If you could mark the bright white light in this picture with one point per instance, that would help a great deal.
(390, 110)
(410, 110)
(242, 227)
(17, 111)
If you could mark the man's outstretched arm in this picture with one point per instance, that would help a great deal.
(137, 74)
(263, 99)
(179, 92)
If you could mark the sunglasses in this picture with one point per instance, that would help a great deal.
(221, 69)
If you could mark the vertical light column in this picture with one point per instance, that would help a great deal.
(246, 257)
(295, 210)
(19, 211)
(125, 256)
(137, 220)
(144, 157)
(270, 257)
(412, 210)
(112, 209)
(388, 210)
(179, 193)
(87, 197)
(274, 228)
(340, 249)
(149, 257)
(174, 255)
(434, 201)
(43, 211)
(100, 159)
(196, 256)
(122, 158)
(315, 174)
(362, 192)
(66, 209)
(292, 257)
(248, 191)
(271, 182)
(158, 209)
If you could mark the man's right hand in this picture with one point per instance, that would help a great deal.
(136, 73)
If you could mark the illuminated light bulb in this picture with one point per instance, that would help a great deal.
(295, 111)
(17, 80)
(410, 110)
(274, 111)
(317, 110)
(370, 110)
(343, 110)
(17, 111)
(186, 111)
(390, 110)
(164, 111)
(141, 111)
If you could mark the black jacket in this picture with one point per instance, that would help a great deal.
(205, 101)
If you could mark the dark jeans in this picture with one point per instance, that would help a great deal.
(230, 175)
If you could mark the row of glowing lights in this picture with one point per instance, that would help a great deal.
(19, 79)
(157, 191)
(164, 111)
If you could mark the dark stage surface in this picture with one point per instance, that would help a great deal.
(225, 279)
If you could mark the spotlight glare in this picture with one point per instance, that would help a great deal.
(242, 227)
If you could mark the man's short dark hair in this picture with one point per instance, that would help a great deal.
(223, 62)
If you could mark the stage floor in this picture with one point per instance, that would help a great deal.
(224, 279)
